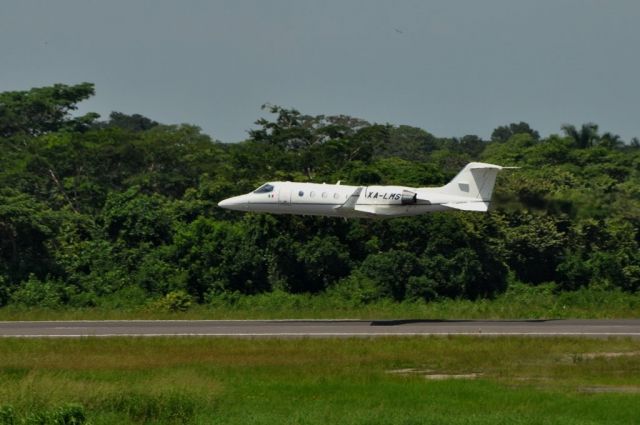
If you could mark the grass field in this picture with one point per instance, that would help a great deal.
(430, 380)
(519, 302)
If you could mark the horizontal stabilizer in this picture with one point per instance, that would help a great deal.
(468, 206)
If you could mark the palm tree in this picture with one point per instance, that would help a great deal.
(611, 141)
(583, 138)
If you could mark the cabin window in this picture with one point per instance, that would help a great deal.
(336, 195)
(312, 194)
(324, 194)
(301, 193)
(265, 188)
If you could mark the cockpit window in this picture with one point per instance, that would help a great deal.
(265, 188)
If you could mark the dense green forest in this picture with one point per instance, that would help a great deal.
(123, 211)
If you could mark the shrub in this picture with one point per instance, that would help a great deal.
(172, 302)
(34, 293)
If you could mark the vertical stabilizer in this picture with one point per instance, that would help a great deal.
(475, 181)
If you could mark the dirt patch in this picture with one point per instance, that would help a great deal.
(443, 376)
(610, 354)
(600, 355)
(432, 375)
(601, 389)
(409, 371)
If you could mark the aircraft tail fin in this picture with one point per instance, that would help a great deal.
(475, 181)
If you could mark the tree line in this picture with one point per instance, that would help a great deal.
(125, 208)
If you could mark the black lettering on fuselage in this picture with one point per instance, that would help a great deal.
(387, 196)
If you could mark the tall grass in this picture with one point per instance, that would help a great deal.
(519, 302)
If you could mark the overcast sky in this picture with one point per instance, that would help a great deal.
(450, 67)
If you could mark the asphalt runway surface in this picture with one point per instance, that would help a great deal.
(320, 328)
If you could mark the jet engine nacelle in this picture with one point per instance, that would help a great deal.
(408, 197)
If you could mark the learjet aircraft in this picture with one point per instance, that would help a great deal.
(470, 190)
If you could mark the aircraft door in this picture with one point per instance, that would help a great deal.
(284, 194)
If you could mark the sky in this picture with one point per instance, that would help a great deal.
(451, 67)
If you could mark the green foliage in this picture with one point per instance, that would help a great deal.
(26, 226)
(158, 273)
(68, 414)
(324, 261)
(534, 240)
(390, 271)
(142, 407)
(120, 212)
(35, 293)
(408, 143)
(4, 291)
(134, 218)
(135, 122)
(220, 256)
(172, 302)
(7, 416)
(504, 133)
(42, 110)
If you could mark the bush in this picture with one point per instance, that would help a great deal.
(356, 289)
(127, 297)
(35, 293)
(390, 271)
(157, 275)
(173, 302)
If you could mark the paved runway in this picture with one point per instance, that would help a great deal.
(321, 328)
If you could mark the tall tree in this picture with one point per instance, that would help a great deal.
(44, 109)
(135, 122)
(505, 132)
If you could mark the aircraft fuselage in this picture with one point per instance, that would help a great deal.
(326, 200)
(470, 190)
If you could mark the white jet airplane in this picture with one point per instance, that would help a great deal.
(470, 190)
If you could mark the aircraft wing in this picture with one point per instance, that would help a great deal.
(350, 203)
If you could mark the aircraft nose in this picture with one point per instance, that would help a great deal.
(224, 203)
(235, 203)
